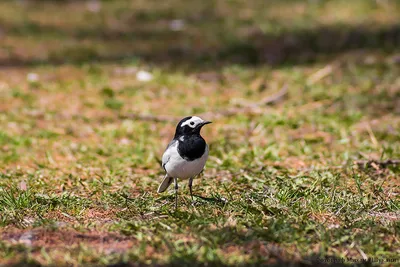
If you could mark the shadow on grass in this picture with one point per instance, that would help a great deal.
(145, 35)
(211, 199)
(302, 47)
(262, 243)
(191, 262)
(314, 261)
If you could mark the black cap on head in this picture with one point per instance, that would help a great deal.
(190, 125)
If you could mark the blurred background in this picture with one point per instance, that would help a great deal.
(303, 95)
(194, 33)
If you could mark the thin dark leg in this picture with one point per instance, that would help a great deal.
(190, 186)
(176, 193)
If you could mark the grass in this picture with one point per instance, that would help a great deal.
(78, 178)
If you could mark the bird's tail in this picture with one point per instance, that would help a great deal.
(165, 184)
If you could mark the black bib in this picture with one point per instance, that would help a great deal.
(193, 147)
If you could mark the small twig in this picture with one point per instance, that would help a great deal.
(361, 163)
(372, 135)
(273, 99)
(371, 163)
(320, 74)
(248, 108)
(323, 73)
(269, 100)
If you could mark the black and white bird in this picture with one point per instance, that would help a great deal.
(185, 155)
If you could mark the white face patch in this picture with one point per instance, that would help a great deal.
(193, 122)
(182, 138)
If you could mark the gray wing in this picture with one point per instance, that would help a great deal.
(167, 154)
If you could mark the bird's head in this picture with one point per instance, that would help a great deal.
(190, 125)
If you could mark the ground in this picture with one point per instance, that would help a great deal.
(304, 179)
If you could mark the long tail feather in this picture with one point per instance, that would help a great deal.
(165, 184)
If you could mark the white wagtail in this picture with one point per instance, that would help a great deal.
(185, 155)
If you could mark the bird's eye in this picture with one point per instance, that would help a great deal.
(192, 123)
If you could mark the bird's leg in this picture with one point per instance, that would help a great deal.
(176, 193)
(190, 186)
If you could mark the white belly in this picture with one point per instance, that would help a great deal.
(178, 167)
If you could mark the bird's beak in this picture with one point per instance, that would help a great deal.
(202, 124)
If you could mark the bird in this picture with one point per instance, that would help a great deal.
(185, 156)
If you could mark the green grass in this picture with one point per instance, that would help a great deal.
(79, 176)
